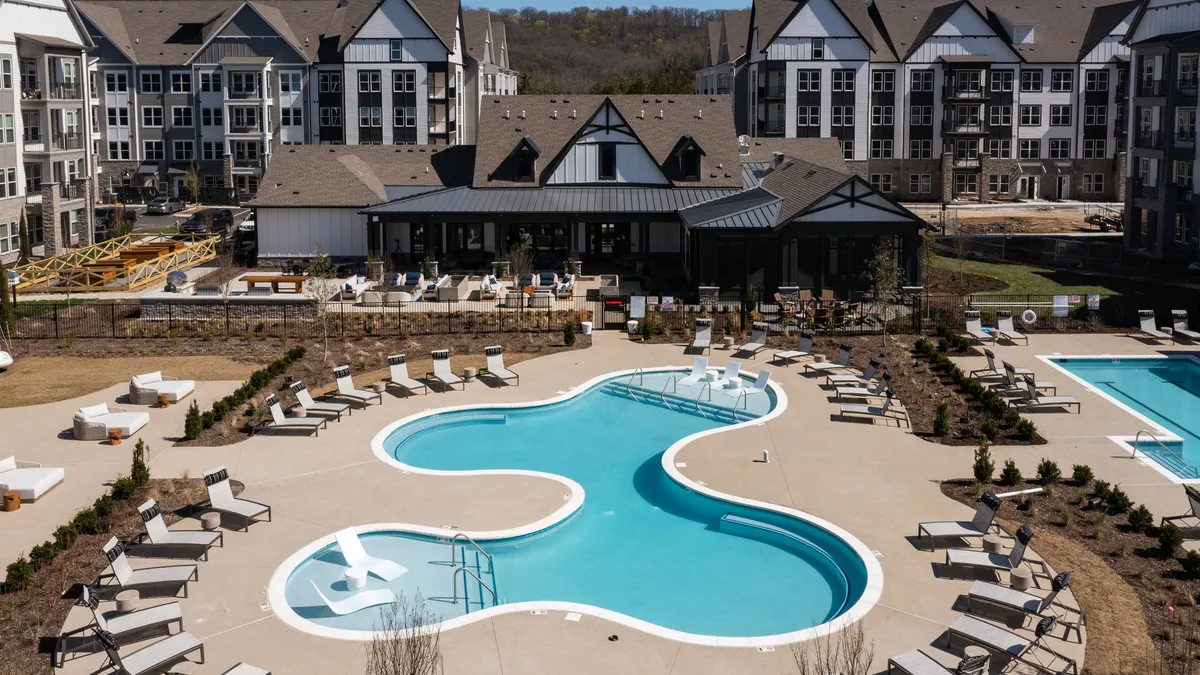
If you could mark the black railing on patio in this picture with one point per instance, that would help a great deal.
(1150, 140)
(1149, 87)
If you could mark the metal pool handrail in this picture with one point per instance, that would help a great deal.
(464, 535)
(743, 396)
(707, 387)
(1187, 468)
(662, 395)
(454, 583)
(629, 383)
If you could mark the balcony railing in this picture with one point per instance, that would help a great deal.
(963, 127)
(245, 128)
(70, 141)
(965, 93)
(966, 162)
(1150, 88)
(775, 91)
(1186, 85)
(439, 127)
(1185, 138)
(437, 92)
(66, 90)
(34, 144)
(1183, 190)
(71, 191)
(1146, 190)
(247, 163)
(242, 93)
(1150, 140)
(33, 197)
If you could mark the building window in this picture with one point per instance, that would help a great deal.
(212, 117)
(881, 148)
(921, 116)
(1183, 173)
(1096, 80)
(998, 184)
(243, 83)
(920, 183)
(965, 184)
(881, 182)
(1000, 115)
(118, 117)
(1001, 80)
(152, 116)
(153, 151)
(1060, 148)
(881, 115)
(370, 117)
(1094, 148)
(808, 116)
(883, 80)
(1062, 80)
(331, 117)
(291, 117)
(922, 80)
(818, 49)
(808, 80)
(329, 83)
(525, 164)
(843, 80)
(920, 149)
(73, 222)
(151, 83)
(181, 83)
(116, 82)
(404, 80)
(689, 164)
(181, 116)
(368, 81)
(1031, 115)
(847, 149)
(397, 50)
(1031, 149)
(8, 183)
(7, 133)
(1060, 115)
(210, 150)
(1031, 80)
(6, 78)
(1000, 149)
(10, 237)
(289, 82)
(245, 118)
(33, 178)
(843, 116)
(210, 82)
(183, 151)
(1093, 182)
(1183, 226)
(608, 161)
(1095, 115)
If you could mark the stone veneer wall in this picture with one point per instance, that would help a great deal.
(10, 212)
(110, 173)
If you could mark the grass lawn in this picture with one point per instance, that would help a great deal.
(1040, 280)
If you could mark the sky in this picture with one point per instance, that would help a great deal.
(553, 5)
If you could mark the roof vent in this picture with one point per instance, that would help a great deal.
(426, 169)
(279, 185)
(645, 100)
(660, 114)
(572, 113)
(743, 145)
(776, 159)
(700, 114)
(641, 114)
(554, 100)
(553, 114)
(522, 114)
(506, 114)
(658, 100)
(670, 100)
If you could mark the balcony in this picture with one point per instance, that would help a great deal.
(1149, 140)
(439, 127)
(1186, 85)
(1119, 128)
(34, 143)
(1150, 88)
(1185, 138)
(242, 94)
(247, 163)
(955, 93)
(1145, 191)
(772, 126)
(1122, 89)
(69, 91)
(966, 162)
(54, 142)
(71, 191)
(1183, 190)
(967, 126)
(775, 91)
(437, 92)
(33, 196)
(245, 128)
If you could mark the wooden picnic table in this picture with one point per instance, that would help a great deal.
(296, 280)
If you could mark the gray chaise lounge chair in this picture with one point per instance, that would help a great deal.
(803, 348)
(346, 389)
(757, 343)
(1147, 329)
(398, 365)
(1001, 597)
(1005, 329)
(282, 421)
(703, 338)
(312, 405)
(1032, 400)
(150, 581)
(1193, 497)
(841, 362)
(1002, 641)
(975, 327)
(981, 525)
(957, 558)
(495, 365)
(139, 623)
(159, 657)
(1179, 326)
(442, 371)
(918, 662)
(191, 543)
(221, 500)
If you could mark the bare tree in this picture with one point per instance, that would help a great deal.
(226, 273)
(407, 640)
(520, 261)
(321, 284)
(191, 182)
(887, 284)
(845, 652)
(962, 246)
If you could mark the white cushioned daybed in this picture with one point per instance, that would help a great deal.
(144, 389)
(29, 479)
(92, 423)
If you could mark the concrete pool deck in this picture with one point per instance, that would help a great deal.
(875, 482)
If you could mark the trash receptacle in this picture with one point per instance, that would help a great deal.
(631, 326)
(587, 327)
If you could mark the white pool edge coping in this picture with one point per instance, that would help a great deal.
(1125, 442)
(872, 591)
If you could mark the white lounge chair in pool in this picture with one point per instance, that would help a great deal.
(959, 558)
(311, 405)
(757, 343)
(398, 365)
(30, 479)
(221, 499)
(1180, 326)
(841, 362)
(918, 662)
(1032, 400)
(149, 581)
(1193, 514)
(1002, 641)
(139, 623)
(145, 389)
(281, 421)
(159, 657)
(878, 391)
(699, 369)
(994, 595)
(732, 372)
(866, 377)
(1014, 382)
(1146, 327)
(1179, 321)
(442, 372)
(885, 412)
(975, 327)
(804, 347)
(346, 388)
(1005, 329)
(982, 524)
(191, 542)
(757, 387)
(94, 422)
(703, 338)
(358, 601)
(495, 365)
(357, 556)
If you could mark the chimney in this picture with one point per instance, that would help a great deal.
(776, 159)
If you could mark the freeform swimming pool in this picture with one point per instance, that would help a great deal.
(646, 547)
(1163, 390)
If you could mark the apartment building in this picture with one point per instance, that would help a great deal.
(942, 101)
(724, 70)
(486, 71)
(46, 163)
(218, 86)
(1160, 204)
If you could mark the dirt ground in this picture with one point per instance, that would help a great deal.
(1024, 221)
(943, 280)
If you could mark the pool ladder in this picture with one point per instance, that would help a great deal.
(707, 387)
(629, 383)
(482, 584)
(1180, 464)
(743, 397)
(463, 535)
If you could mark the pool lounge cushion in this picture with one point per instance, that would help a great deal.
(31, 483)
(92, 423)
(144, 389)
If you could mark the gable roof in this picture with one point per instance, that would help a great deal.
(826, 152)
(500, 44)
(477, 23)
(440, 15)
(907, 25)
(708, 119)
(772, 16)
(713, 42)
(737, 32)
(358, 175)
(108, 21)
(1060, 35)
(801, 184)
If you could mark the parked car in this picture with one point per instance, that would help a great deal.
(105, 221)
(199, 222)
(247, 225)
(165, 205)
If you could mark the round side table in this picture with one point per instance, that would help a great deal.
(470, 373)
(1021, 579)
(127, 601)
(992, 543)
(12, 500)
(164, 400)
(210, 520)
(727, 342)
(356, 578)
(114, 436)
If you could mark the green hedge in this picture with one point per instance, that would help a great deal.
(196, 422)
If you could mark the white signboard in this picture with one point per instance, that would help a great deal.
(637, 307)
(1061, 306)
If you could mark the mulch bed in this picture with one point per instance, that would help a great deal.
(1167, 595)
(32, 618)
(942, 280)
(368, 363)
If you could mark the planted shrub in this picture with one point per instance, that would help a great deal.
(1081, 474)
(65, 536)
(923, 347)
(1170, 539)
(139, 471)
(1140, 519)
(1191, 564)
(42, 555)
(86, 522)
(984, 466)
(1118, 501)
(103, 506)
(1012, 418)
(1048, 473)
(1102, 489)
(990, 428)
(941, 422)
(123, 488)
(1025, 429)
(207, 420)
(569, 333)
(191, 423)
(1010, 475)
(19, 574)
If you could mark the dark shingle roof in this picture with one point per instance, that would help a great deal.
(907, 24)
(476, 24)
(801, 184)
(772, 15)
(825, 152)
(442, 17)
(737, 32)
(714, 43)
(500, 44)
(358, 175)
(707, 119)
(1061, 34)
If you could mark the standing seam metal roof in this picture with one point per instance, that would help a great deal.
(553, 200)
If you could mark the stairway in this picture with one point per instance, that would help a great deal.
(713, 410)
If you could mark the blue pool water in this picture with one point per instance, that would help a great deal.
(1164, 390)
(641, 545)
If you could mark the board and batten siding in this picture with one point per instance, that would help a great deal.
(395, 19)
(296, 232)
(582, 165)
(1163, 17)
(664, 238)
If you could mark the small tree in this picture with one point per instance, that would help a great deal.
(887, 282)
(846, 652)
(984, 466)
(406, 641)
(140, 471)
(191, 182)
(8, 313)
(26, 244)
(520, 261)
(941, 421)
(320, 286)
(1010, 475)
(192, 423)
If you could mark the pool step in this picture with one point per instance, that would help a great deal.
(706, 409)
(477, 597)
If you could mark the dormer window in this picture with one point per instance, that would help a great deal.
(525, 163)
(689, 164)
(608, 161)
(521, 164)
(686, 158)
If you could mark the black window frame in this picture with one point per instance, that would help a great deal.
(606, 162)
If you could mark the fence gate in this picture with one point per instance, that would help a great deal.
(613, 313)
